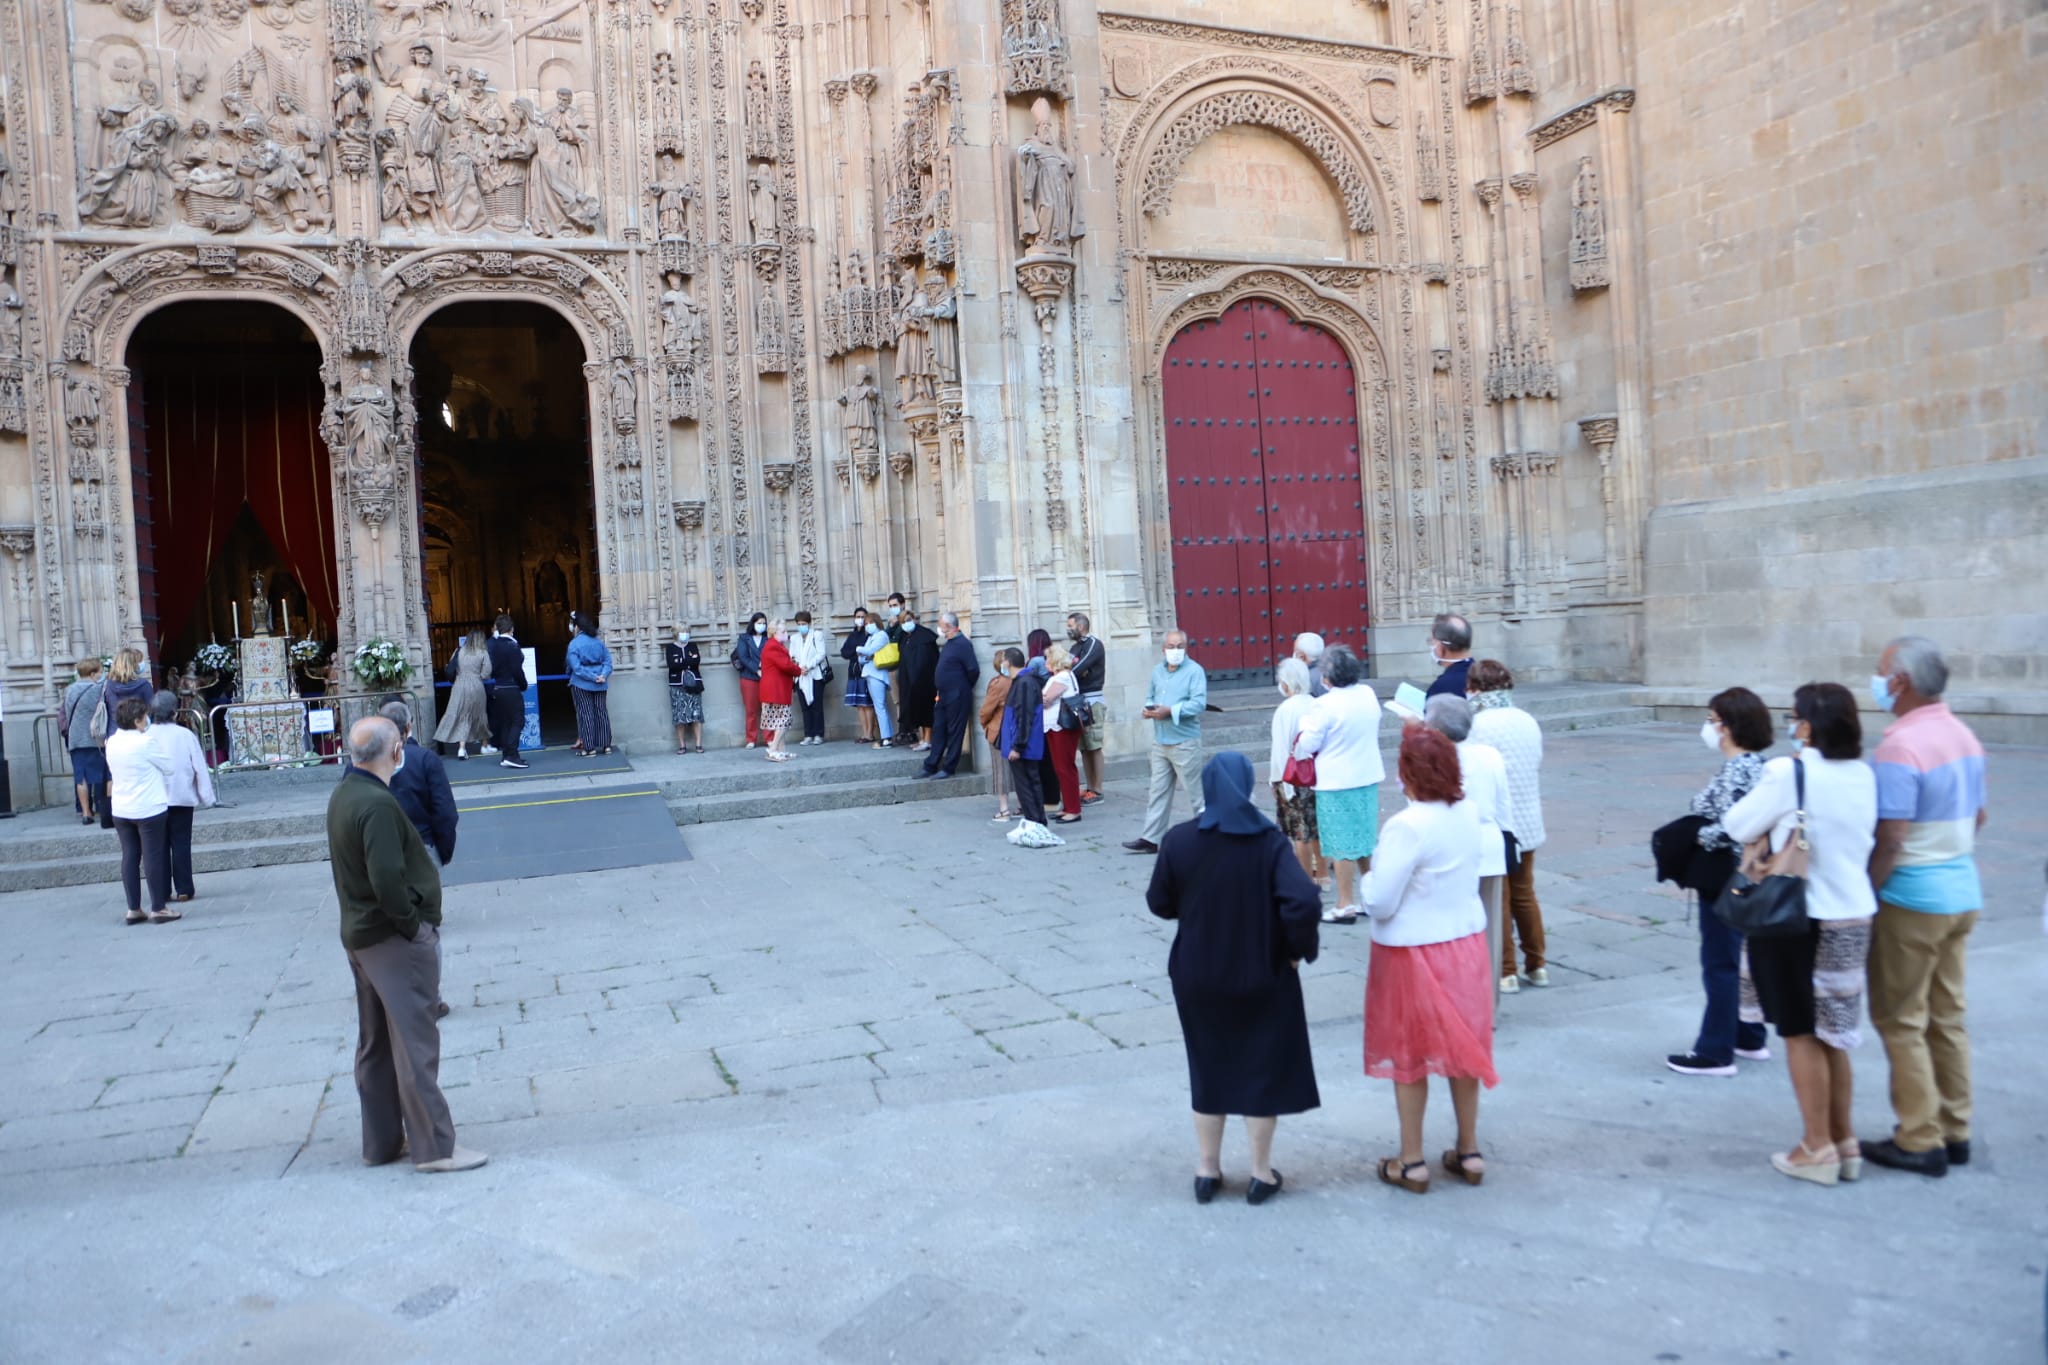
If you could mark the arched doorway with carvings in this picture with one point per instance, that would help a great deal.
(508, 517)
(1264, 488)
(230, 475)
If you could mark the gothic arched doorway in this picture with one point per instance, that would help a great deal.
(508, 517)
(1265, 497)
(230, 473)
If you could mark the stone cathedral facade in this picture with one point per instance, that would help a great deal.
(1247, 315)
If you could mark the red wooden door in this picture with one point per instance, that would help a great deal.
(1266, 506)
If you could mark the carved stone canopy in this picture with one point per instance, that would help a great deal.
(689, 516)
(1269, 108)
(1600, 429)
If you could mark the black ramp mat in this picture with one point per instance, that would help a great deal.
(504, 837)
(481, 769)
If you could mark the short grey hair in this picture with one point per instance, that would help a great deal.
(1452, 630)
(1309, 643)
(1292, 674)
(1919, 658)
(1176, 631)
(1449, 716)
(950, 618)
(399, 714)
(370, 738)
(1341, 667)
(163, 708)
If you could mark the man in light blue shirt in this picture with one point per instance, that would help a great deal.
(1174, 704)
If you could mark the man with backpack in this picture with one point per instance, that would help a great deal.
(85, 730)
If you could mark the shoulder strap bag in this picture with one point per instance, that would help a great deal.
(99, 717)
(1766, 898)
(1300, 772)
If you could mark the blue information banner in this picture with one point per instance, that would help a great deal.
(529, 731)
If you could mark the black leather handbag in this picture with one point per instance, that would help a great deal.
(1766, 898)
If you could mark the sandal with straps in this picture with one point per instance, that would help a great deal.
(1455, 1162)
(1393, 1171)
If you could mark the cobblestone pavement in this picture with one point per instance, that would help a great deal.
(873, 1086)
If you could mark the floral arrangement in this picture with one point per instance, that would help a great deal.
(307, 652)
(216, 659)
(381, 663)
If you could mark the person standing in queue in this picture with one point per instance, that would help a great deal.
(685, 689)
(917, 677)
(1090, 670)
(508, 692)
(807, 645)
(955, 678)
(590, 680)
(746, 666)
(856, 694)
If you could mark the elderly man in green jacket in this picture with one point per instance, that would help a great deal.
(390, 894)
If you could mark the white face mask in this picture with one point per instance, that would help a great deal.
(760, 627)
(1710, 736)
(1792, 732)
(1176, 657)
(910, 625)
(682, 637)
(399, 766)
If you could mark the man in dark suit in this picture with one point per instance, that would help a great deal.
(958, 671)
(390, 896)
(421, 788)
(1450, 646)
(507, 705)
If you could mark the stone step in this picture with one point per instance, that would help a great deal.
(97, 866)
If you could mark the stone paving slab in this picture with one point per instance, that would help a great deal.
(742, 1126)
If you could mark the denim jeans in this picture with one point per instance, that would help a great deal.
(1721, 1032)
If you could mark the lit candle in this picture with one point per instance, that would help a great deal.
(286, 608)
(235, 614)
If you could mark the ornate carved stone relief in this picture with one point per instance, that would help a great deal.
(1034, 49)
(1190, 126)
(1589, 230)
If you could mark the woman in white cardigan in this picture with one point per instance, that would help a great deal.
(1428, 1002)
(1501, 725)
(187, 786)
(1294, 808)
(136, 793)
(1811, 985)
(1485, 776)
(1342, 734)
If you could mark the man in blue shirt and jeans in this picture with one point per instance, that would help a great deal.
(1174, 704)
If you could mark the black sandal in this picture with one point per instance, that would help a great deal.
(1455, 1163)
(1393, 1171)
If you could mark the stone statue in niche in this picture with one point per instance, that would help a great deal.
(682, 322)
(10, 321)
(561, 199)
(366, 419)
(768, 330)
(1589, 230)
(304, 139)
(914, 373)
(667, 102)
(1048, 214)
(862, 402)
(760, 114)
(625, 402)
(82, 408)
(509, 199)
(127, 189)
(10, 192)
(672, 196)
(761, 205)
(398, 203)
(942, 311)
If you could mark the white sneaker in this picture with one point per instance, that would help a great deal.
(1341, 914)
(1509, 984)
(1761, 1054)
(1540, 977)
(461, 1159)
(487, 749)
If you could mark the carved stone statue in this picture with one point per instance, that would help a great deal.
(10, 192)
(281, 195)
(863, 413)
(913, 345)
(760, 114)
(513, 148)
(667, 99)
(259, 607)
(942, 309)
(128, 189)
(420, 130)
(1034, 50)
(1048, 214)
(304, 139)
(81, 407)
(560, 201)
(672, 196)
(625, 413)
(368, 426)
(10, 321)
(682, 322)
(761, 198)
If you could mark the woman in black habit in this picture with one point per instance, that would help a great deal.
(1247, 918)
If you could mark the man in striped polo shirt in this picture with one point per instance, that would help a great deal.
(1930, 805)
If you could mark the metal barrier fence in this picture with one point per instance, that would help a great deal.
(305, 732)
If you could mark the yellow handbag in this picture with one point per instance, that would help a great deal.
(888, 656)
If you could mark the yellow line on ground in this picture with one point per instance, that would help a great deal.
(561, 800)
(529, 777)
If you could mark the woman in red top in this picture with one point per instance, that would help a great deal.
(778, 688)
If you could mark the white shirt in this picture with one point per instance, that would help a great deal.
(136, 770)
(186, 781)
(1485, 779)
(807, 652)
(1057, 688)
(1841, 828)
(1519, 739)
(1424, 883)
(1286, 722)
(1342, 734)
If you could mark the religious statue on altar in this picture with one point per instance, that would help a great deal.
(259, 607)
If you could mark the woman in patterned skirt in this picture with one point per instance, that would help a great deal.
(1294, 808)
(685, 690)
(857, 686)
(778, 688)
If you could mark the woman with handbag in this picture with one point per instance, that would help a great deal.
(1804, 902)
(1294, 808)
(993, 703)
(1063, 726)
(807, 646)
(685, 690)
(878, 655)
(467, 720)
(1244, 921)
(1342, 735)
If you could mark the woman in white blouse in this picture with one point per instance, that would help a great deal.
(1342, 734)
(187, 786)
(1501, 725)
(1485, 776)
(1294, 808)
(1811, 985)
(137, 796)
(1428, 996)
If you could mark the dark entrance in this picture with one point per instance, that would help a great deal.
(1266, 504)
(507, 518)
(230, 474)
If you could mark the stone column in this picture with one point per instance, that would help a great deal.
(777, 479)
(19, 543)
(1600, 431)
(690, 524)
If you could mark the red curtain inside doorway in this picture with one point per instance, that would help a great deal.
(224, 429)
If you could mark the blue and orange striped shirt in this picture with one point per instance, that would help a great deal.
(1930, 770)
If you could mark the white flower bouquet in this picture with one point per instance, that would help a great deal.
(381, 663)
(217, 659)
(307, 652)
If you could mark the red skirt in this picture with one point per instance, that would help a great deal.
(1429, 1011)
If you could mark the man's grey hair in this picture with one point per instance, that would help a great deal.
(950, 619)
(1080, 618)
(1176, 634)
(399, 714)
(1452, 631)
(1449, 716)
(163, 708)
(369, 739)
(1341, 667)
(1309, 644)
(1292, 674)
(1919, 658)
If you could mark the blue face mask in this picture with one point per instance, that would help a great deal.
(803, 630)
(1881, 691)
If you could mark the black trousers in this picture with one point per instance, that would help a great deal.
(179, 829)
(1030, 794)
(814, 711)
(508, 717)
(145, 852)
(949, 733)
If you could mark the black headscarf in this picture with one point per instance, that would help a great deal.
(1227, 796)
